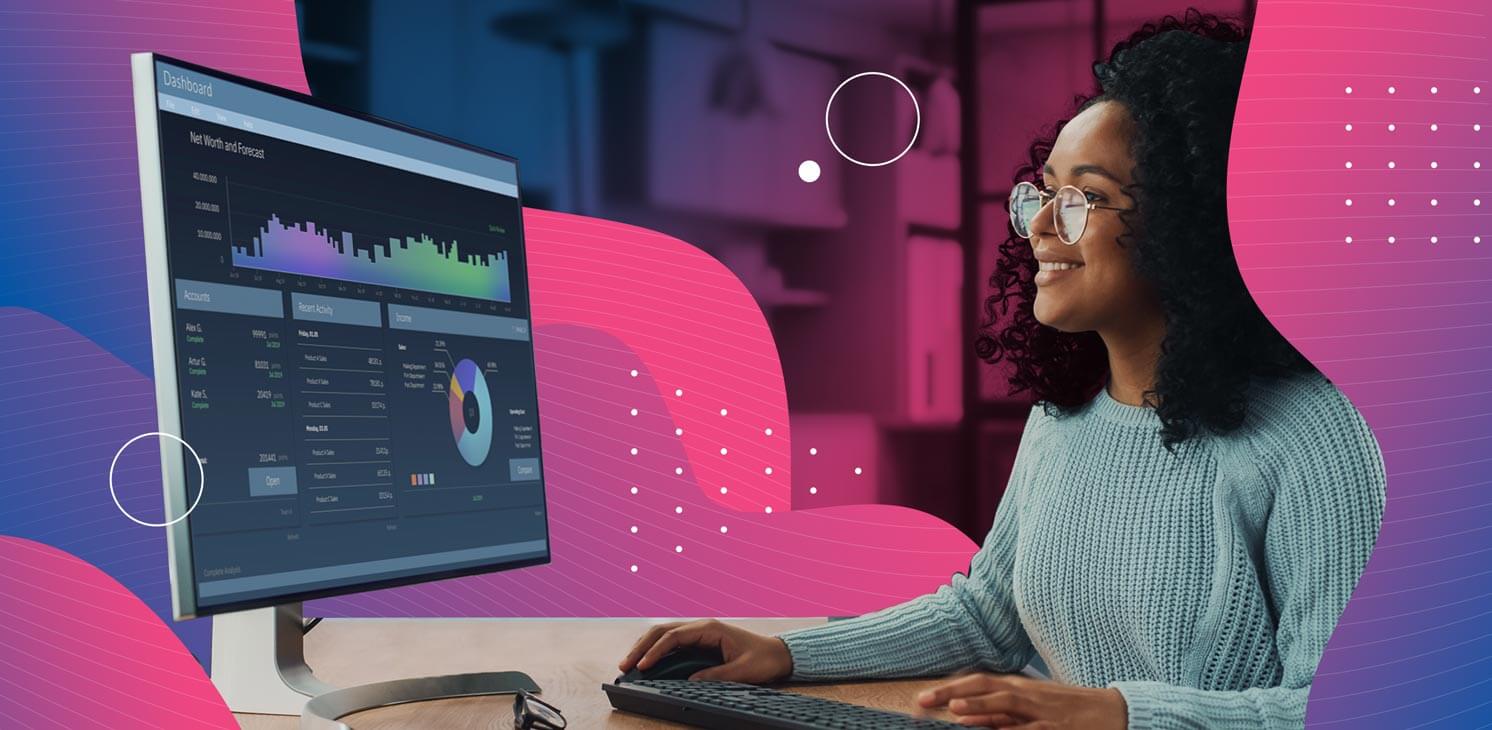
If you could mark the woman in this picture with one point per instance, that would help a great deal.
(1191, 504)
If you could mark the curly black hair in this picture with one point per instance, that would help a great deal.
(1178, 78)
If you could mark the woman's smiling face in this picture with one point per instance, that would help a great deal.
(1091, 285)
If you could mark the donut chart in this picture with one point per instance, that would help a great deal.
(471, 412)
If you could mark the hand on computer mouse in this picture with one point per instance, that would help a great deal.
(749, 657)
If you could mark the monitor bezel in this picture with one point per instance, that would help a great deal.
(184, 600)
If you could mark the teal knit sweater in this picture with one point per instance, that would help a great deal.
(1202, 584)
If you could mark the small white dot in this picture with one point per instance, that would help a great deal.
(1434, 89)
(1390, 89)
(1476, 165)
(1434, 239)
(634, 411)
(722, 451)
(722, 411)
(808, 171)
(634, 373)
(858, 470)
(1349, 164)
(813, 490)
(1476, 239)
(678, 470)
(1391, 127)
(723, 530)
(634, 569)
(1390, 202)
(813, 451)
(768, 470)
(634, 490)
(1349, 89)
(678, 510)
(1349, 127)
(1391, 239)
(678, 548)
(1349, 202)
(634, 529)
(1434, 164)
(1390, 164)
(769, 509)
(678, 432)
(768, 432)
(1349, 239)
(1434, 202)
(634, 451)
(1434, 127)
(678, 392)
(723, 490)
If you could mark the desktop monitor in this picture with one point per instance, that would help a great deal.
(341, 333)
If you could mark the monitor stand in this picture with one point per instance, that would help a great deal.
(259, 666)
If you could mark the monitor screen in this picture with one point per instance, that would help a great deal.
(350, 338)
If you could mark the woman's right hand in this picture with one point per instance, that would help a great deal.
(749, 657)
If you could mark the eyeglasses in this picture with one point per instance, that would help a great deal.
(1070, 215)
(532, 713)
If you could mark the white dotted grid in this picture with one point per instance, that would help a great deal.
(1433, 165)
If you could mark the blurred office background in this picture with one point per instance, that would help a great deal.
(691, 117)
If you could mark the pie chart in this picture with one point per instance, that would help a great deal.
(471, 412)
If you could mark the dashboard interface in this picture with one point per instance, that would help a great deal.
(353, 346)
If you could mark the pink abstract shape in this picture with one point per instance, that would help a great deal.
(1382, 105)
(81, 650)
(695, 328)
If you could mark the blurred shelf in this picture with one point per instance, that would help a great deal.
(904, 426)
(792, 298)
(331, 52)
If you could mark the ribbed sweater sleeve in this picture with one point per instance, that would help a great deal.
(970, 622)
(1328, 505)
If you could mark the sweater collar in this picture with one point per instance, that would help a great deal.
(1104, 406)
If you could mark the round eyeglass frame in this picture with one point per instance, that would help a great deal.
(1066, 196)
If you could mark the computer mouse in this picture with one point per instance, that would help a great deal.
(680, 663)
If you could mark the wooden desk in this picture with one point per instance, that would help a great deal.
(569, 658)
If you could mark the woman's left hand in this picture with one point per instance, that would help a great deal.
(1011, 700)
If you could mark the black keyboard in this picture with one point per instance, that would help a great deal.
(748, 707)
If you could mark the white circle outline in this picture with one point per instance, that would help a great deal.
(915, 107)
(201, 479)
